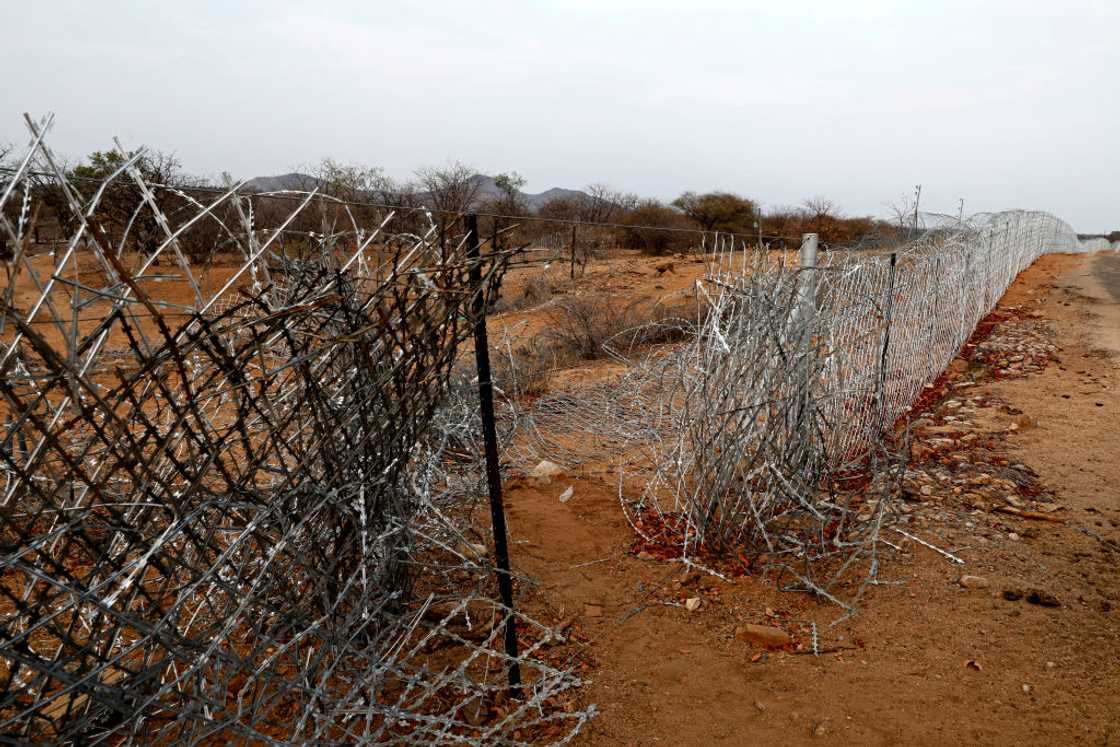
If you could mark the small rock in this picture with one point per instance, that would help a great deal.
(567, 494)
(545, 471)
(643, 555)
(692, 604)
(974, 582)
(1026, 689)
(762, 635)
(759, 705)
(1043, 598)
(1012, 595)
(472, 550)
(820, 729)
(1013, 536)
(1051, 665)
(927, 490)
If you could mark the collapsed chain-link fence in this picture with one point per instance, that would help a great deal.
(227, 512)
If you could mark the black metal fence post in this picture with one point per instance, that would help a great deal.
(490, 441)
(572, 273)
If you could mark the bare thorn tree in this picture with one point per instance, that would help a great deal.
(450, 189)
(820, 211)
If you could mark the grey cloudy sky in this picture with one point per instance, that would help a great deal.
(1007, 104)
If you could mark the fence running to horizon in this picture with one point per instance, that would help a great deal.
(794, 379)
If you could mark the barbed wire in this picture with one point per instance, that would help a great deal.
(239, 519)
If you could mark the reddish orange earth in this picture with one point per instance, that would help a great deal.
(927, 660)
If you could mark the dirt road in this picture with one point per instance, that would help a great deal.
(927, 661)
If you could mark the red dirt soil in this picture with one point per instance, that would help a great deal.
(926, 661)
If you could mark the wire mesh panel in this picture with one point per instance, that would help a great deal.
(226, 515)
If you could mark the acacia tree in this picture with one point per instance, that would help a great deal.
(347, 181)
(604, 205)
(820, 211)
(510, 200)
(452, 188)
(122, 214)
(653, 228)
(718, 211)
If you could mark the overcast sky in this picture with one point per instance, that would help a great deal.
(1006, 104)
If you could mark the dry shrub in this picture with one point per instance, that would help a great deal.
(525, 370)
(581, 327)
(653, 228)
(540, 287)
(578, 327)
(537, 288)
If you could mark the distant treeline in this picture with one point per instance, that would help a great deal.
(122, 216)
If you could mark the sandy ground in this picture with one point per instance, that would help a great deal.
(927, 661)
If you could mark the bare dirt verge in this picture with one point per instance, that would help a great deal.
(1015, 473)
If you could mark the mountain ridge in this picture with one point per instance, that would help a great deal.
(487, 189)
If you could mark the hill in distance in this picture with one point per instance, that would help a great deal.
(487, 188)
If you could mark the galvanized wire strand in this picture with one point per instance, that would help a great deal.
(246, 517)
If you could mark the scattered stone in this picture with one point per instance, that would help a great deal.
(643, 555)
(820, 729)
(762, 635)
(1012, 595)
(692, 604)
(1051, 665)
(1026, 689)
(472, 550)
(1013, 536)
(545, 471)
(1043, 598)
(974, 582)
(567, 494)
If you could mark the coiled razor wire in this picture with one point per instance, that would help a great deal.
(794, 380)
(230, 517)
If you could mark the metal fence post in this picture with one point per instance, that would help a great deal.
(888, 318)
(806, 316)
(490, 442)
(572, 273)
(807, 258)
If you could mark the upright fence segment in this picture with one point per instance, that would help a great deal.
(777, 400)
